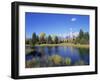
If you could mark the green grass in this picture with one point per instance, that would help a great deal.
(67, 44)
(28, 50)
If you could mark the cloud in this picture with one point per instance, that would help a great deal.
(73, 19)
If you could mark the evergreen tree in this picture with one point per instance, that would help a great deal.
(49, 40)
(56, 40)
(34, 38)
(83, 38)
(81, 33)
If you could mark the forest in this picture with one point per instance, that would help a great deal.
(43, 39)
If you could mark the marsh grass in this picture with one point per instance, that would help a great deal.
(32, 63)
(54, 60)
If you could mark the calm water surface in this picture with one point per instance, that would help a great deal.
(57, 56)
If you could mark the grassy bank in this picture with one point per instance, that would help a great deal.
(28, 50)
(66, 44)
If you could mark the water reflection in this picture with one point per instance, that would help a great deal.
(57, 56)
(49, 50)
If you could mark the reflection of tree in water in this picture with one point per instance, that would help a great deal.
(42, 50)
(56, 49)
(84, 54)
(83, 51)
(44, 58)
(49, 50)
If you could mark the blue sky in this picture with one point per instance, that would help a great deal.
(54, 23)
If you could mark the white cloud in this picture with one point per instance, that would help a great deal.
(73, 19)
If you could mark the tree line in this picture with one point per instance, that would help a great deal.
(42, 39)
(82, 38)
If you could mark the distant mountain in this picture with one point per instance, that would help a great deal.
(72, 35)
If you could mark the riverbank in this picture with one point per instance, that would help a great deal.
(68, 44)
(28, 50)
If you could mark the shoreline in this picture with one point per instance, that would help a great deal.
(28, 50)
(64, 44)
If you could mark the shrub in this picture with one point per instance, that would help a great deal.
(68, 61)
(56, 59)
(32, 63)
